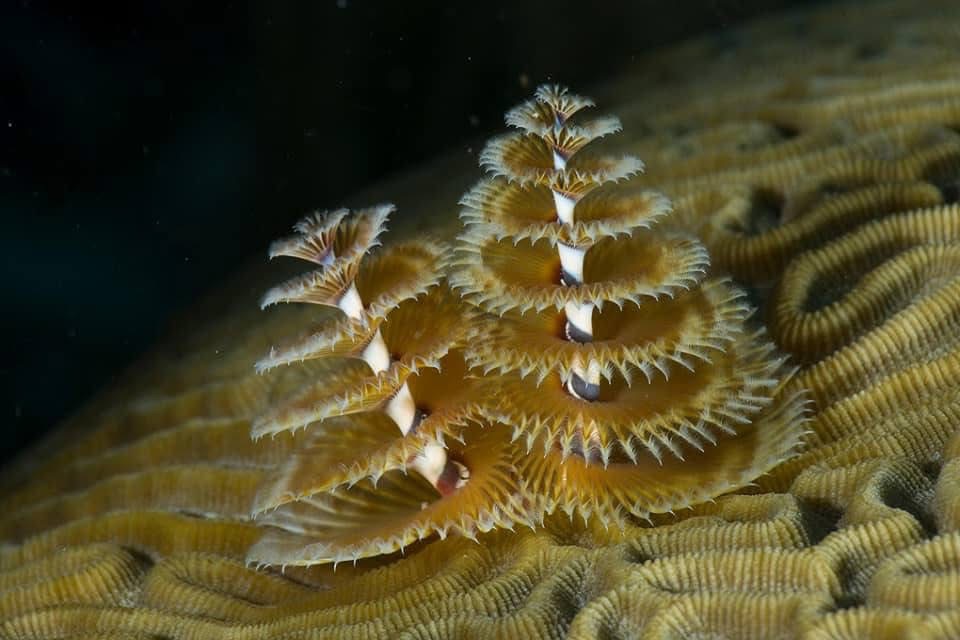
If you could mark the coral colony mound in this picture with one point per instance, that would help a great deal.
(714, 399)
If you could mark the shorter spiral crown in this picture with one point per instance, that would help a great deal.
(381, 458)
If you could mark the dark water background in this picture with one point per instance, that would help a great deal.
(147, 149)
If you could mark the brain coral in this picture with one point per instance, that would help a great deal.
(826, 189)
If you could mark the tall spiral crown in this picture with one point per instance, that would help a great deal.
(630, 379)
(571, 356)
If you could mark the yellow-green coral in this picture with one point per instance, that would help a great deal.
(854, 539)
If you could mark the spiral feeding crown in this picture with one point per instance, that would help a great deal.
(572, 355)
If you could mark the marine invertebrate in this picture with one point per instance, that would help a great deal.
(346, 493)
(637, 379)
(657, 405)
(819, 549)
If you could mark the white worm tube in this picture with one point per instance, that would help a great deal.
(376, 353)
(564, 205)
(585, 381)
(432, 463)
(571, 261)
(350, 302)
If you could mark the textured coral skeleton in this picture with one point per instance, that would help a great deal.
(591, 368)
(827, 192)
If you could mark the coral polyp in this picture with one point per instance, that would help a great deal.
(589, 367)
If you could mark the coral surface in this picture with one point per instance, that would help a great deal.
(820, 167)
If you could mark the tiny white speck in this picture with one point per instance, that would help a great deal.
(341, 4)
